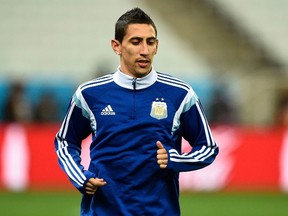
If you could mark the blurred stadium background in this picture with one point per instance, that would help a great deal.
(233, 53)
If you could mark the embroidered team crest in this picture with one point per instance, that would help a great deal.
(159, 109)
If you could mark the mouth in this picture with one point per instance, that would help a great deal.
(143, 62)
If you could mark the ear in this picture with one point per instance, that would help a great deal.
(116, 46)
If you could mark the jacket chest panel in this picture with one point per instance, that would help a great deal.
(135, 107)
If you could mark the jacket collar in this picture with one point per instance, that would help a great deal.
(126, 81)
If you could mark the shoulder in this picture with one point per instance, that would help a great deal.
(90, 87)
(96, 82)
(178, 85)
(173, 81)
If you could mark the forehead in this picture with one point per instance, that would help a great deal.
(140, 30)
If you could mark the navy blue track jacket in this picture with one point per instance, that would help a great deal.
(126, 117)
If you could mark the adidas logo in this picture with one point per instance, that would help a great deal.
(107, 111)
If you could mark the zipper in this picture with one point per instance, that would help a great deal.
(134, 83)
(134, 98)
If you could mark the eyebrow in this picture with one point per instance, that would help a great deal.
(140, 38)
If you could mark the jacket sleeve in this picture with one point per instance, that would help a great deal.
(74, 129)
(194, 129)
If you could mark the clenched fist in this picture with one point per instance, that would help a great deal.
(162, 156)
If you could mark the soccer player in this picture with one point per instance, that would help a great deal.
(137, 117)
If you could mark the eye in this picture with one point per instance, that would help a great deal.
(135, 42)
(151, 42)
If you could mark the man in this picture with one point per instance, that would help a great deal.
(137, 118)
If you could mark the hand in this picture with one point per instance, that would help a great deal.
(162, 156)
(93, 184)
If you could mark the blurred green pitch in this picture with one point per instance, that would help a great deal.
(48, 203)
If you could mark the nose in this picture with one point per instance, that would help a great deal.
(144, 49)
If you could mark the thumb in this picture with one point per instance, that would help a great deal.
(159, 145)
(97, 181)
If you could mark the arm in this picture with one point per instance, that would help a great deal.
(195, 129)
(74, 129)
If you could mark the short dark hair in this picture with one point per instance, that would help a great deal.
(134, 16)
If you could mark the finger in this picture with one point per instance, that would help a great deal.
(90, 192)
(88, 184)
(162, 156)
(159, 145)
(162, 161)
(91, 189)
(161, 151)
(93, 184)
(97, 181)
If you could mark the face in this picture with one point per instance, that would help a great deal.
(137, 50)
